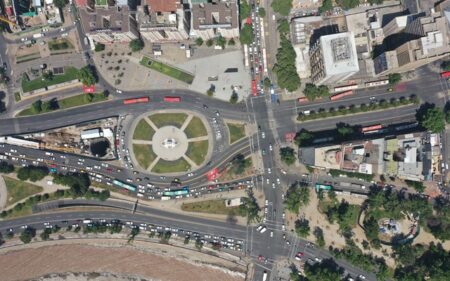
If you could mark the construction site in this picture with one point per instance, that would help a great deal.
(94, 139)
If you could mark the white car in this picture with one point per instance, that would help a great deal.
(362, 277)
(270, 147)
(118, 91)
(266, 210)
(269, 170)
(273, 185)
(267, 202)
(271, 234)
(317, 259)
(278, 181)
(263, 135)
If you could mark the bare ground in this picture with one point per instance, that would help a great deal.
(121, 260)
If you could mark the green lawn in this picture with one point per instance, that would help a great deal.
(101, 2)
(143, 131)
(59, 44)
(210, 207)
(166, 119)
(197, 151)
(69, 102)
(144, 154)
(163, 166)
(70, 73)
(167, 70)
(196, 128)
(237, 131)
(18, 190)
(29, 57)
(17, 96)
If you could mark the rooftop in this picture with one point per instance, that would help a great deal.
(215, 15)
(162, 5)
(339, 52)
(112, 18)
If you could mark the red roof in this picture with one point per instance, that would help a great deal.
(162, 5)
(81, 3)
(9, 11)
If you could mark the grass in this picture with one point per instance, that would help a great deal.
(210, 207)
(144, 154)
(29, 57)
(69, 102)
(101, 2)
(18, 190)
(237, 132)
(143, 131)
(196, 128)
(168, 119)
(197, 151)
(17, 96)
(164, 166)
(59, 44)
(70, 73)
(167, 70)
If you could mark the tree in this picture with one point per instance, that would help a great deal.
(231, 42)
(417, 185)
(296, 197)
(27, 235)
(287, 155)
(99, 47)
(318, 233)
(433, 120)
(246, 36)
(249, 207)
(283, 7)
(220, 41)
(262, 12)
(302, 227)
(312, 92)
(239, 164)
(198, 244)
(36, 106)
(285, 68)
(347, 4)
(234, 97)
(87, 76)
(267, 83)
(371, 228)
(283, 26)
(199, 41)
(209, 42)
(327, 270)
(344, 130)
(327, 5)
(445, 65)
(32, 173)
(6, 168)
(45, 235)
(47, 75)
(244, 9)
(394, 78)
(303, 138)
(136, 45)
(60, 3)
(376, 2)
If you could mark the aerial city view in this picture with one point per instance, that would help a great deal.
(228, 140)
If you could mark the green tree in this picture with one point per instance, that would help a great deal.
(283, 26)
(303, 138)
(231, 42)
(285, 68)
(433, 120)
(60, 3)
(244, 9)
(199, 41)
(136, 45)
(267, 83)
(47, 75)
(246, 36)
(445, 65)
(296, 197)
(327, 5)
(6, 168)
(313, 92)
(209, 42)
(417, 185)
(283, 7)
(318, 233)
(239, 164)
(262, 12)
(287, 155)
(99, 47)
(198, 244)
(45, 235)
(32, 173)
(347, 4)
(344, 131)
(249, 207)
(302, 227)
(371, 228)
(36, 106)
(376, 2)
(394, 78)
(220, 41)
(327, 270)
(27, 235)
(87, 76)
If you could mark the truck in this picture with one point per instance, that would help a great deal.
(264, 276)
(86, 221)
(38, 35)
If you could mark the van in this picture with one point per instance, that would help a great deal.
(264, 229)
(307, 112)
(140, 195)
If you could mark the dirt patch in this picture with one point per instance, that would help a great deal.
(32, 261)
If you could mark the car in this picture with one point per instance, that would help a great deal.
(264, 229)
(24, 226)
(267, 181)
(267, 202)
(270, 147)
(260, 258)
(263, 152)
(362, 277)
(263, 135)
(190, 174)
(217, 113)
(266, 210)
(284, 215)
(317, 259)
(273, 185)
(269, 170)
(271, 234)
(278, 181)
(118, 91)
(283, 227)
(135, 172)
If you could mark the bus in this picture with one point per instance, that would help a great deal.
(323, 187)
(136, 100)
(172, 99)
(246, 55)
(341, 95)
(176, 192)
(445, 74)
(264, 59)
(370, 129)
(124, 185)
(346, 88)
(377, 83)
(254, 88)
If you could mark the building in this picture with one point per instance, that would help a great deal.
(91, 134)
(213, 18)
(109, 24)
(423, 40)
(333, 58)
(163, 21)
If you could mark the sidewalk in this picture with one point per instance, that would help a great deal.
(3, 194)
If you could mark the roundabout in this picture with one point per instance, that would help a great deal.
(170, 142)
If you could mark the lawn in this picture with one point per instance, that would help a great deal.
(143, 131)
(167, 70)
(59, 44)
(144, 154)
(18, 190)
(70, 73)
(17, 96)
(237, 131)
(101, 2)
(210, 207)
(29, 57)
(168, 119)
(196, 128)
(69, 102)
(197, 151)
(163, 166)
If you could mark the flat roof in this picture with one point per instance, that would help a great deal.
(339, 53)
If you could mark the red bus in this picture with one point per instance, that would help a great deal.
(254, 88)
(445, 74)
(302, 99)
(136, 100)
(341, 95)
(172, 99)
(371, 128)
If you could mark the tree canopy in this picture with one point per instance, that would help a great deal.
(285, 68)
(296, 197)
(302, 227)
(27, 235)
(313, 92)
(303, 138)
(327, 270)
(136, 45)
(327, 5)
(32, 173)
(60, 3)
(262, 12)
(283, 7)
(244, 9)
(394, 78)
(287, 155)
(246, 36)
(87, 76)
(433, 119)
(283, 26)
(347, 4)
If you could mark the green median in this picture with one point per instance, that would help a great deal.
(167, 70)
